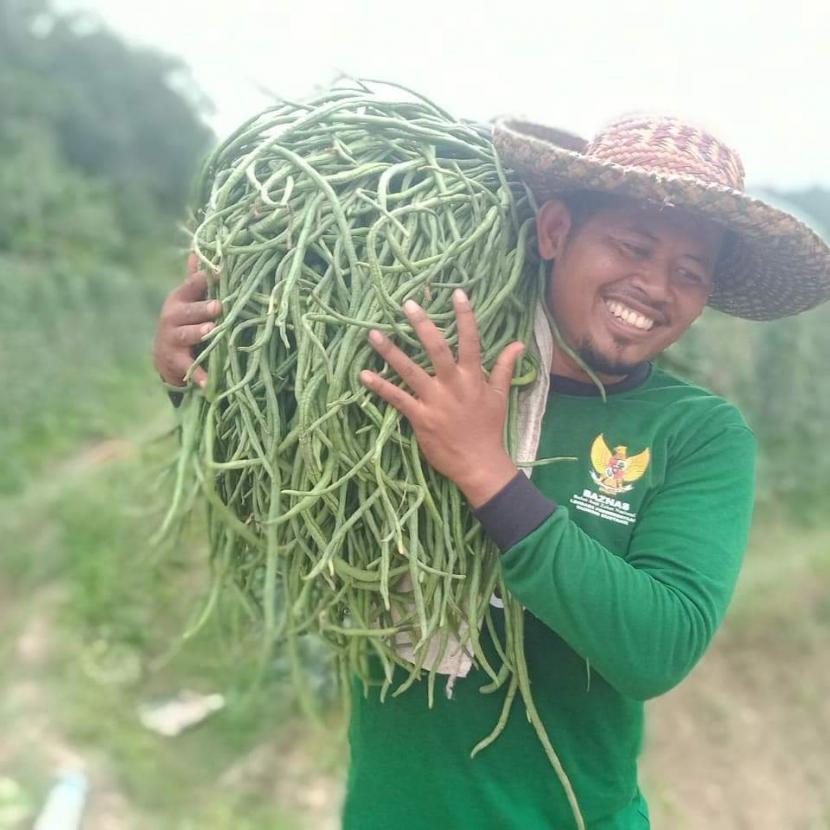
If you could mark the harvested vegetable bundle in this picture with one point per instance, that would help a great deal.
(318, 220)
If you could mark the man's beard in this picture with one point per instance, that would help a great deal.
(601, 364)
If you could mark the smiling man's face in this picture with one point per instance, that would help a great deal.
(626, 284)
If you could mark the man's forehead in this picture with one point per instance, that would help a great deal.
(652, 220)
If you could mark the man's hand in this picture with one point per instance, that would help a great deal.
(458, 415)
(186, 318)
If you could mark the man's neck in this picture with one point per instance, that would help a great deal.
(565, 366)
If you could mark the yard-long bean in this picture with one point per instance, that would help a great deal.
(316, 221)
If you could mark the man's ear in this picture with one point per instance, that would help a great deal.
(553, 221)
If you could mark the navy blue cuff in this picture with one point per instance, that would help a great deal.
(514, 512)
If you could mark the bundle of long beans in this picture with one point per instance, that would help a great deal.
(318, 220)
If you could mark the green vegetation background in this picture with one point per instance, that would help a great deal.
(99, 142)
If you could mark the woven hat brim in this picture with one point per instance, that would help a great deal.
(778, 265)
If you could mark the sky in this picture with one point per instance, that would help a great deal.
(756, 74)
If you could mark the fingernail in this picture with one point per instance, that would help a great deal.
(459, 296)
(375, 336)
(202, 382)
(214, 307)
(410, 306)
(207, 328)
(366, 376)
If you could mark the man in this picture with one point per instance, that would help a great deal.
(625, 558)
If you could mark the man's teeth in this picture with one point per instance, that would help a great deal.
(623, 312)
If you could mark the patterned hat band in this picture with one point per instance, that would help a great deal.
(670, 147)
(776, 267)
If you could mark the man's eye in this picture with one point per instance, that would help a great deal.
(692, 276)
(632, 249)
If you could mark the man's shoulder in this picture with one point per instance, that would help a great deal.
(693, 404)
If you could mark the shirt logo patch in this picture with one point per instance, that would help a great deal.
(614, 471)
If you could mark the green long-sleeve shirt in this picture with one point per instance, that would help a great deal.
(625, 558)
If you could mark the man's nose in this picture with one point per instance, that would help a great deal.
(653, 278)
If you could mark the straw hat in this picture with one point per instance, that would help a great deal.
(776, 266)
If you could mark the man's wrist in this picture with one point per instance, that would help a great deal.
(487, 479)
(514, 512)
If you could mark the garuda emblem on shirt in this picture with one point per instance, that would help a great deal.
(614, 471)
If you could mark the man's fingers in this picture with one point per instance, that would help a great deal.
(190, 335)
(193, 288)
(192, 264)
(199, 376)
(404, 403)
(502, 373)
(411, 373)
(433, 341)
(187, 314)
(175, 367)
(469, 345)
(178, 367)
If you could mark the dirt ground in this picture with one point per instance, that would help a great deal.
(738, 746)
